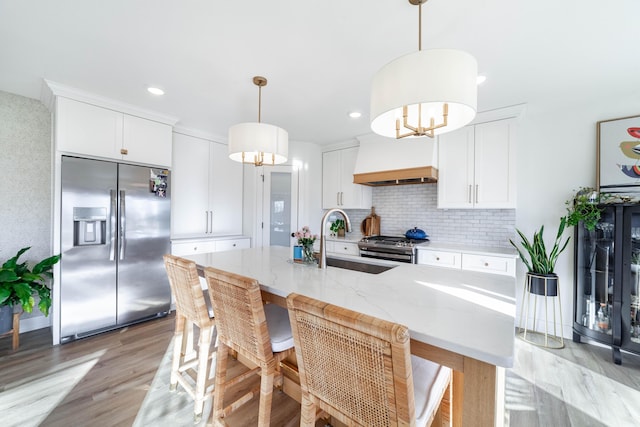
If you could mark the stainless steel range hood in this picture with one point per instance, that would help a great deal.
(385, 161)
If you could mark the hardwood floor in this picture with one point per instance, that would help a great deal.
(120, 378)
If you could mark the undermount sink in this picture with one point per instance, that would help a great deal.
(358, 265)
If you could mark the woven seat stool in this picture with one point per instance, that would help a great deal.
(359, 369)
(260, 335)
(191, 310)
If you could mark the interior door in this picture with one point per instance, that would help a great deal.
(278, 205)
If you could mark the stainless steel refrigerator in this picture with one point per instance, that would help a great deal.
(115, 229)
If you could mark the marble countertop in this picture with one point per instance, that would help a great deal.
(466, 312)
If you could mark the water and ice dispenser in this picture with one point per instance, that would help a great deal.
(89, 226)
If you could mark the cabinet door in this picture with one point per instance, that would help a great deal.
(352, 196)
(331, 176)
(190, 186)
(146, 141)
(456, 169)
(83, 128)
(495, 165)
(232, 244)
(489, 264)
(439, 258)
(345, 248)
(225, 192)
(193, 247)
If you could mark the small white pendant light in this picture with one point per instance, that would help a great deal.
(258, 143)
(425, 93)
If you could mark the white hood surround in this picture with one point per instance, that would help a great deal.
(387, 161)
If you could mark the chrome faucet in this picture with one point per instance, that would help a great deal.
(322, 262)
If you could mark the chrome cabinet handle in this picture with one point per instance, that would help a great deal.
(469, 193)
(476, 193)
(206, 221)
(338, 198)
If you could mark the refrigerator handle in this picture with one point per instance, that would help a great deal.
(112, 225)
(122, 236)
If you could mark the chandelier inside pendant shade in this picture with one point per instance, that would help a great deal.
(425, 93)
(258, 143)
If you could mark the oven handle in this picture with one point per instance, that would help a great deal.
(388, 256)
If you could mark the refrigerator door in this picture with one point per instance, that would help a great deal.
(87, 266)
(144, 223)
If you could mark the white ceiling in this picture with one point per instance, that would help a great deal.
(319, 56)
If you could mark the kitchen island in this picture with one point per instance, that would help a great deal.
(461, 319)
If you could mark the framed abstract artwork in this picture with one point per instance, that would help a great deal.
(619, 155)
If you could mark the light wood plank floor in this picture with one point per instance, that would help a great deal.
(120, 378)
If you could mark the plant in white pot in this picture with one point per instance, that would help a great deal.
(541, 264)
(19, 285)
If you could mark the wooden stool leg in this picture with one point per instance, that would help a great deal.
(16, 331)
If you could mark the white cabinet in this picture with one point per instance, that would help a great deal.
(439, 258)
(86, 129)
(472, 261)
(338, 189)
(489, 264)
(344, 248)
(232, 244)
(195, 246)
(476, 167)
(206, 189)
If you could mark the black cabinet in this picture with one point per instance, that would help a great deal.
(607, 280)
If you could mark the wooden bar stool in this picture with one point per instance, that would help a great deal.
(261, 336)
(359, 369)
(191, 310)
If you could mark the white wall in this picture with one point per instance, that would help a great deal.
(556, 156)
(25, 198)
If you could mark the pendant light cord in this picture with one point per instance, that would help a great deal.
(259, 102)
(420, 26)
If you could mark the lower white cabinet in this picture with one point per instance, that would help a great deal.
(193, 247)
(440, 258)
(344, 248)
(489, 264)
(486, 263)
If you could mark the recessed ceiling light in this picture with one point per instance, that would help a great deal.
(155, 90)
(355, 114)
(480, 79)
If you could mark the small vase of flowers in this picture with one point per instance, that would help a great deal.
(306, 240)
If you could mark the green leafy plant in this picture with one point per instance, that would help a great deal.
(539, 261)
(337, 225)
(584, 208)
(19, 284)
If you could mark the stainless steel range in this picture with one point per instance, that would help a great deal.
(391, 248)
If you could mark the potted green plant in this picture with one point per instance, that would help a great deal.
(584, 208)
(19, 284)
(337, 227)
(540, 263)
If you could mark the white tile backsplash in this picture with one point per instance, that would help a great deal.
(406, 206)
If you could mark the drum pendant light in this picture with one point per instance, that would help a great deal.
(425, 93)
(258, 143)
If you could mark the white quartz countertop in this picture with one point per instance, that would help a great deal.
(466, 312)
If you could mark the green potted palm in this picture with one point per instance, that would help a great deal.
(19, 285)
(541, 263)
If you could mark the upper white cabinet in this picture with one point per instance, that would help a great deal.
(477, 167)
(87, 129)
(206, 189)
(338, 189)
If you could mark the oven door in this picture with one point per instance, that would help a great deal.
(390, 255)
